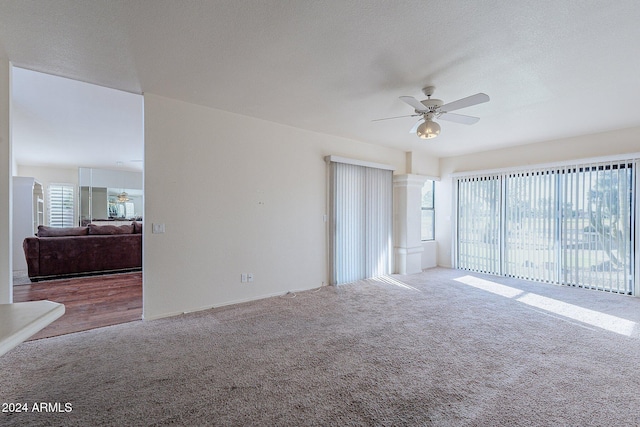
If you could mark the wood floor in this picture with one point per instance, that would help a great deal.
(90, 302)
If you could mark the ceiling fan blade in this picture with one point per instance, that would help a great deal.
(396, 117)
(459, 118)
(478, 98)
(415, 127)
(417, 105)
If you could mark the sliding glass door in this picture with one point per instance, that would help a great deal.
(570, 225)
(597, 227)
(479, 224)
(531, 225)
(361, 222)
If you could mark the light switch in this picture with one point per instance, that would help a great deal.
(157, 228)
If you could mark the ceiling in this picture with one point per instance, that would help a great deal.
(66, 123)
(553, 69)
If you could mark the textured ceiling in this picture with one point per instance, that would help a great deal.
(553, 69)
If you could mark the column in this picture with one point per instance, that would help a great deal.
(407, 195)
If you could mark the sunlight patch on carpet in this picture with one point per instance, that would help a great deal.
(391, 281)
(591, 317)
(489, 286)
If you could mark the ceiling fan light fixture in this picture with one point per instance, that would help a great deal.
(123, 197)
(428, 129)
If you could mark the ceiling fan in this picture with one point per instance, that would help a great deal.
(431, 109)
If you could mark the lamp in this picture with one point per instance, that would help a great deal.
(428, 129)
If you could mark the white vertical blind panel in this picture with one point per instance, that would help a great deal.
(479, 224)
(349, 259)
(379, 211)
(530, 249)
(362, 209)
(597, 234)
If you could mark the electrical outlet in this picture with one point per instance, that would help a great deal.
(243, 277)
(249, 277)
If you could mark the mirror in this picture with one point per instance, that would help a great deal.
(110, 195)
(124, 203)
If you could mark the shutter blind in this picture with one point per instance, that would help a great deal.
(61, 204)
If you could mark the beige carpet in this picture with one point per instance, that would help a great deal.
(410, 350)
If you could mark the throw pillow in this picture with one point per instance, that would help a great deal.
(44, 231)
(110, 229)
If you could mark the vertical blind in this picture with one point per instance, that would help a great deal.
(570, 225)
(61, 204)
(531, 225)
(360, 222)
(478, 224)
(597, 227)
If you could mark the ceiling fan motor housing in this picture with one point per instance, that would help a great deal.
(432, 104)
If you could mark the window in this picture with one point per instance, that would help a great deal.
(61, 204)
(570, 225)
(428, 211)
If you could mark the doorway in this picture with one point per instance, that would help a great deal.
(62, 128)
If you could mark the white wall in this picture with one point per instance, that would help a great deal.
(423, 164)
(95, 177)
(582, 147)
(430, 254)
(6, 280)
(236, 195)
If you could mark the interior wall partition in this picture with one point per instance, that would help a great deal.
(571, 225)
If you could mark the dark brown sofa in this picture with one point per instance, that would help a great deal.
(65, 252)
